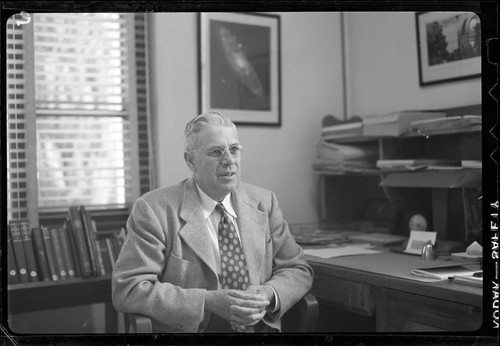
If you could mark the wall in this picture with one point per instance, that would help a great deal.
(383, 68)
(276, 158)
(382, 72)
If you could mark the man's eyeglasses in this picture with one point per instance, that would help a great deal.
(219, 152)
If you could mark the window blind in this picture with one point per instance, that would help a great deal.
(81, 160)
(81, 63)
(89, 118)
(82, 81)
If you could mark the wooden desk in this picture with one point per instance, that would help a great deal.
(378, 287)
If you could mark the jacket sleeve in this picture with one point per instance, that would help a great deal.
(136, 287)
(291, 276)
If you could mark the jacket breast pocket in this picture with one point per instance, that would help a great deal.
(185, 274)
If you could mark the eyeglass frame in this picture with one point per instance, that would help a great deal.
(226, 149)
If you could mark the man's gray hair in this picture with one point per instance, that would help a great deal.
(199, 123)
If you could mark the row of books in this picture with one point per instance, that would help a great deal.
(64, 252)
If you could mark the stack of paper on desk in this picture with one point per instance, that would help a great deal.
(469, 279)
(341, 250)
(445, 272)
(378, 238)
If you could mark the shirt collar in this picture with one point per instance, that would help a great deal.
(208, 204)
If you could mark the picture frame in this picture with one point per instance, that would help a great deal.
(449, 46)
(240, 68)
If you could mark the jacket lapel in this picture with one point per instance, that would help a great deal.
(194, 231)
(252, 228)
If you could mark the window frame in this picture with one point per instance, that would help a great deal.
(140, 167)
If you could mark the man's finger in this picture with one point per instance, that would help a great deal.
(256, 304)
(247, 295)
(245, 311)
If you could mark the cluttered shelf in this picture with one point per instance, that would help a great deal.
(438, 127)
(404, 140)
(419, 162)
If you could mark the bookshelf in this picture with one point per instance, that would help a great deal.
(47, 295)
(101, 232)
(437, 193)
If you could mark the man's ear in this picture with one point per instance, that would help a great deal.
(189, 157)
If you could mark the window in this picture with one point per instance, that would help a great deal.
(77, 93)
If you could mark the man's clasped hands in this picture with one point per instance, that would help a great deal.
(241, 308)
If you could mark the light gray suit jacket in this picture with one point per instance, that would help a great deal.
(167, 262)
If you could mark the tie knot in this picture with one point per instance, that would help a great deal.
(220, 208)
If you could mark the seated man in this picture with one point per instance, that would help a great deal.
(210, 254)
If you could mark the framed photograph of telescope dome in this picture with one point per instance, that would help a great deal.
(449, 46)
(239, 67)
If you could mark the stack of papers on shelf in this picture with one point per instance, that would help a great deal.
(445, 272)
(338, 157)
(395, 124)
(345, 130)
(334, 128)
(447, 124)
(417, 164)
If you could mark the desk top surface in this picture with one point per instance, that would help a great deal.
(393, 270)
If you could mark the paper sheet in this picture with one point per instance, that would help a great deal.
(347, 250)
(417, 241)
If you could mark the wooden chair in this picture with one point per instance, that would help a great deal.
(300, 318)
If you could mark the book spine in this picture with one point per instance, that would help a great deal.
(111, 250)
(106, 257)
(100, 260)
(88, 230)
(17, 244)
(11, 262)
(66, 252)
(102, 268)
(28, 251)
(80, 242)
(67, 229)
(57, 246)
(51, 256)
(40, 254)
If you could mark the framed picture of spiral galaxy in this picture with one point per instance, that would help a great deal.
(239, 67)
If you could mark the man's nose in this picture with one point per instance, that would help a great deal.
(227, 157)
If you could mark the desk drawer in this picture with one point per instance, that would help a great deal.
(405, 312)
(344, 294)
